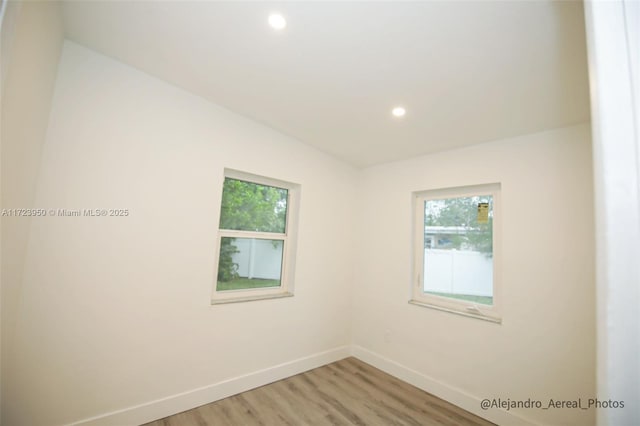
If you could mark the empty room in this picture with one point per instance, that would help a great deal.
(320, 213)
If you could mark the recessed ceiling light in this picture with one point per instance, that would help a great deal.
(277, 21)
(398, 111)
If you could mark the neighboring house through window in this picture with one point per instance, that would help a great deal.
(457, 250)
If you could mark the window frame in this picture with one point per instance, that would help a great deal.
(461, 307)
(288, 238)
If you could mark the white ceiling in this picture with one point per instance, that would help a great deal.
(467, 72)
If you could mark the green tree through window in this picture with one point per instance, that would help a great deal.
(248, 206)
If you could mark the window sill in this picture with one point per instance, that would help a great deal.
(457, 312)
(222, 301)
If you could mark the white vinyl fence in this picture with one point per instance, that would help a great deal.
(258, 258)
(458, 272)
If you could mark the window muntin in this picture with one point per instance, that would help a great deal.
(256, 238)
(456, 257)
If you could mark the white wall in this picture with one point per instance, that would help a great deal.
(31, 43)
(545, 347)
(116, 310)
(613, 30)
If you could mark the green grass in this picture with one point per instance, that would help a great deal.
(485, 300)
(245, 283)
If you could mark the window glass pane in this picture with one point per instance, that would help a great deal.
(246, 263)
(458, 248)
(250, 206)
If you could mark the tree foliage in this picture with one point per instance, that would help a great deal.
(227, 268)
(463, 213)
(248, 206)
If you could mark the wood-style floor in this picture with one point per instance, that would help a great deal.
(346, 392)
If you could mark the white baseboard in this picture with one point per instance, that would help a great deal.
(173, 404)
(177, 403)
(450, 394)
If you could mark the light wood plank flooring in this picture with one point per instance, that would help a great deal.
(346, 392)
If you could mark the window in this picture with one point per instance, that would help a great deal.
(256, 238)
(457, 250)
